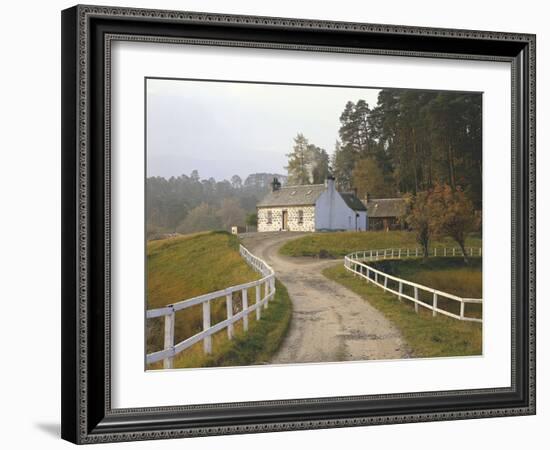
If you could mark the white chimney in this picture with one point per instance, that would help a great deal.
(329, 183)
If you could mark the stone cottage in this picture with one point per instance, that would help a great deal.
(313, 207)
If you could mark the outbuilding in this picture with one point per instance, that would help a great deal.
(386, 213)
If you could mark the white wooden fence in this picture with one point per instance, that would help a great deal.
(265, 284)
(355, 263)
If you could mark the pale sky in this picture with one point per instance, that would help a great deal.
(224, 128)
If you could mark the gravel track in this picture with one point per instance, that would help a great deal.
(329, 322)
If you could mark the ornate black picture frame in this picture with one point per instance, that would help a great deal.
(87, 34)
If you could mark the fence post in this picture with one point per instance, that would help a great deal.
(207, 342)
(266, 288)
(400, 291)
(471, 251)
(385, 282)
(435, 251)
(408, 253)
(169, 321)
(229, 306)
(416, 298)
(376, 277)
(444, 251)
(371, 255)
(258, 299)
(367, 274)
(416, 251)
(245, 307)
(399, 253)
(461, 310)
(454, 251)
(385, 250)
(434, 305)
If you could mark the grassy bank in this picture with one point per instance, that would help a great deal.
(450, 275)
(425, 335)
(256, 346)
(339, 244)
(191, 265)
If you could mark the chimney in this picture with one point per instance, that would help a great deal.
(329, 183)
(275, 185)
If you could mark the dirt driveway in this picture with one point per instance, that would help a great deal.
(329, 322)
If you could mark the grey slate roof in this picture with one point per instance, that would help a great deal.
(352, 201)
(386, 207)
(293, 196)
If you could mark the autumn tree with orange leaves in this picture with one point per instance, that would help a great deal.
(453, 214)
(442, 212)
(420, 219)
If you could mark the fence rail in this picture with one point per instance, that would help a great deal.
(355, 263)
(169, 312)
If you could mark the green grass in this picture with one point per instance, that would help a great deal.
(449, 275)
(256, 346)
(191, 265)
(446, 274)
(339, 244)
(425, 335)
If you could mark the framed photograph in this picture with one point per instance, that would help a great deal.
(278, 224)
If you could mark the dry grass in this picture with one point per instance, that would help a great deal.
(187, 266)
(191, 265)
(256, 346)
(449, 275)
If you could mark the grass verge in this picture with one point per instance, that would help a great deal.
(190, 265)
(256, 346)
(339, 244)
(425, 335)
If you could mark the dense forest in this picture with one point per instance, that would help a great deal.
(410, 141)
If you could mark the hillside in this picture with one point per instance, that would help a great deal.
(190, 265)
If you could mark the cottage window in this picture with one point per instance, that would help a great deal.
(300, 216)
(269, 217)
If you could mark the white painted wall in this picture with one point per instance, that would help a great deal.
(362, 221)
(332, 212)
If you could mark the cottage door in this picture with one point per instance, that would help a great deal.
(285, 220)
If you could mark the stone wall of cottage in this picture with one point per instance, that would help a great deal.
(293, 223)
